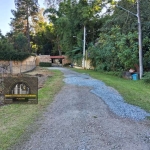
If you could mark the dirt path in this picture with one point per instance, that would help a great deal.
(79, 120)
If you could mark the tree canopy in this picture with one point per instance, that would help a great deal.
(111, 33)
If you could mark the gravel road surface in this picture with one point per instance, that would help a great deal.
(88, 115)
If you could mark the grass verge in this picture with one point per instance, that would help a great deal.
(134, 92)
(15, 118)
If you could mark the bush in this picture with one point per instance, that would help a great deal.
(21, 42)
(67, 64)
(146, 77)
(45, 64)
(7, 51)
(13, 55)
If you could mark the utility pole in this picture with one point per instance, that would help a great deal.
(139, 36)
(84, 41)
(140, 40)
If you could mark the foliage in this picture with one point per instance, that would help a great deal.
(20, 42)
(67, 64)
(114, 51)
(75, 55)
(52, 3)
(5, 45)
(146, 77)
(111, 36)
(69, 21)
(45, 64)
(13, 55)
(117, 45)
(42, 40)
(43, 35)
(128, 29)
(25, 13)
(7, 51)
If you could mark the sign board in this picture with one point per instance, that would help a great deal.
(21, 89)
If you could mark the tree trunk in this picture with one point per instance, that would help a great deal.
(59, 51)
(28, 32)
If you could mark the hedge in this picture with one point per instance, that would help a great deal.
(45, 64)
(13, 55)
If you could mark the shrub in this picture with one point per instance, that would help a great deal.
(21, 42)
(45, 64)
(146, 77)
(67, 64)
(7, 51)
(13, 55)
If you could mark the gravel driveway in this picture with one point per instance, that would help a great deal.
(88, 115)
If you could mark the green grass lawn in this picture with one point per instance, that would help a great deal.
(15, 118)
(134, 92)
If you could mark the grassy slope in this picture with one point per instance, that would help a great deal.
(134, 92)
(15, 118)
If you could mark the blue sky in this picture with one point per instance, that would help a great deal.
(5, 14)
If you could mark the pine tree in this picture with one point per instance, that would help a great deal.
(25, 13)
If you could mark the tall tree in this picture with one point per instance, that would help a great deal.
(53, 3)
(20, 42)
(69, 20)
(119, 50)
(26, 12)
(40, 18)
(43, 35)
